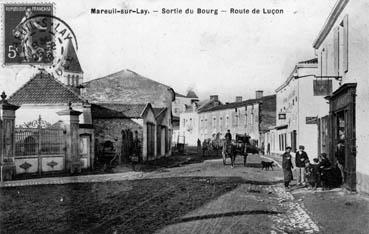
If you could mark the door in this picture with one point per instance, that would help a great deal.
(150, 140)
(350, 147)
(293, 141)
(84, 147)
(158, 141)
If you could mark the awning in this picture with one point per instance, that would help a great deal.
(281, 126)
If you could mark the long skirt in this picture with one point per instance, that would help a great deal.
(287, 175)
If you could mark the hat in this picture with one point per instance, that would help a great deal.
(288, 147)
(302, 147)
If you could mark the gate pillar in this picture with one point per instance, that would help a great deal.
(7, 138)
(70, 118)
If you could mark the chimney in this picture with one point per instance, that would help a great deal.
(238, 98)
(258, 94)
(214, 97)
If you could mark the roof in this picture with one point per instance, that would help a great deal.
(329, 23)
(180, 95)
(233, 105)
(191, 94)
(310, 61)
(71, 63)
(159, 111)
(113, 110)
(117, 110)
(207, 104)
(128, 87)
(43, 88)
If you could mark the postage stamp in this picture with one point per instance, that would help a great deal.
(22, 45)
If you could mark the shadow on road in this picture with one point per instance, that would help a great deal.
(136, 206)
(228, 214)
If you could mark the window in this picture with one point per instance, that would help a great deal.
(345, 43)
(336, 51)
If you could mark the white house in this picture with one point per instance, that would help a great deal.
(300, 106)
(342, 46)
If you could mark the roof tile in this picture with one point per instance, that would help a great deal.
(43, 88)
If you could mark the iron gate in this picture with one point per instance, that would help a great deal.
(39, 150)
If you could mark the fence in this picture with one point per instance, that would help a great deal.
(39, 150)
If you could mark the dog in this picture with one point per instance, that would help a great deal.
(267, 165)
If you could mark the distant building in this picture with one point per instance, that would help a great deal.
(71, 73)
(252, 117)
(181, 104)
(189, 120)
(342, 47)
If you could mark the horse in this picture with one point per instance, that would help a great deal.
(241, 146)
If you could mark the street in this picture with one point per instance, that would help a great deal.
(204, 197)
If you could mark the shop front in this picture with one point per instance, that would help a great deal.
(342, 129)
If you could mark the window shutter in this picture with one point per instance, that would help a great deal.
(345, 43)
(336, 48)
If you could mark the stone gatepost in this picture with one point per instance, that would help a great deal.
(7, 138)
(70, 118)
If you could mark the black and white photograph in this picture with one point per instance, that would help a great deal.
(171, 117)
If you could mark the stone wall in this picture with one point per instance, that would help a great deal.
(111, 129)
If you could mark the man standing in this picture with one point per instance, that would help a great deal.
(228, 136)
(287, 167)
(340, 156)
(301, 158)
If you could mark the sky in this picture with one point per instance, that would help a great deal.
(225, 54)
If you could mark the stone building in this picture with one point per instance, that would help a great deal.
(126, 101)
(342, 47)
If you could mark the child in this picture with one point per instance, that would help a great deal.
(312, 173)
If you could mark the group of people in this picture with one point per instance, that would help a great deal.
(316, 173)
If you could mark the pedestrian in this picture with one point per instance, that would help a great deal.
(268, 149)
(228, 136)
(340, 157)
(198, 146)
(287, 167)
(301, 157)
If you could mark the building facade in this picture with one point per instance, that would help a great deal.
(189, 127)
(251, 117)
(300, 107)
(181, 104)
(127, 105)
(342, 47)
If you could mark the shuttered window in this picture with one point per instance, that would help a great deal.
(345, 43)
(336, 51)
